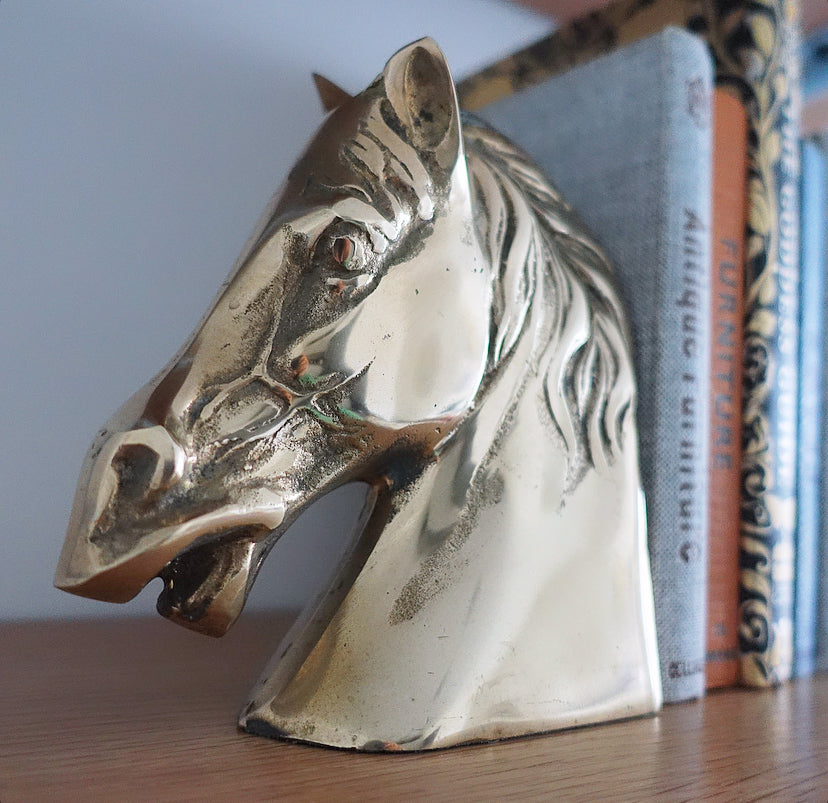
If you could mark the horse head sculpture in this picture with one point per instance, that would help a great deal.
(418, 310)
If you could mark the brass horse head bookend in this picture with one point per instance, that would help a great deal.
(419, 311)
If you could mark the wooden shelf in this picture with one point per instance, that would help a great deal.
(136, 709)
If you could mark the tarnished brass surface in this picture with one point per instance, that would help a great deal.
(418, 310)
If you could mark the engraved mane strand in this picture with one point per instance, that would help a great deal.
(530, 232)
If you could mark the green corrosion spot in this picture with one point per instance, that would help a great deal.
(326, 419)
(307, 379)
(349, 413)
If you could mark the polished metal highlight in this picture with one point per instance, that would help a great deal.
(421, 312)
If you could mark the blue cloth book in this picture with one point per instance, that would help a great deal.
(813, 200)
(627, 139)
(809, 220)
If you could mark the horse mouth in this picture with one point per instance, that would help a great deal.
(207, 563)
(206, 584)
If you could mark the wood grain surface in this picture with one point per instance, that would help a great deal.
(140, 710)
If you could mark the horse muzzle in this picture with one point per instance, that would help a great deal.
(119, 537)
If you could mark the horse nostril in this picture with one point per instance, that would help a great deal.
(139, 463)
(132, 467)
(135, 466)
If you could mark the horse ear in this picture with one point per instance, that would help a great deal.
(421, 91)
(330, 94)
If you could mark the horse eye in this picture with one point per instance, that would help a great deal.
(343, 250)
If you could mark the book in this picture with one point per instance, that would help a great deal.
(727, 296)
(813, 200)
(821, 664)
(636, 125)
(755, 50)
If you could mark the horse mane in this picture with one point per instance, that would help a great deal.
(532, 235)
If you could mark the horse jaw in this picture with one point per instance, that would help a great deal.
(207, 563)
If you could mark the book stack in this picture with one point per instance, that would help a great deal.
(671, 126)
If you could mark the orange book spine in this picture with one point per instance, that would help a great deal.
(727, 297)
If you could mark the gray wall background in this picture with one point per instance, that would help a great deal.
(139, 141)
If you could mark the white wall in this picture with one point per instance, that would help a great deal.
(138, 144)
